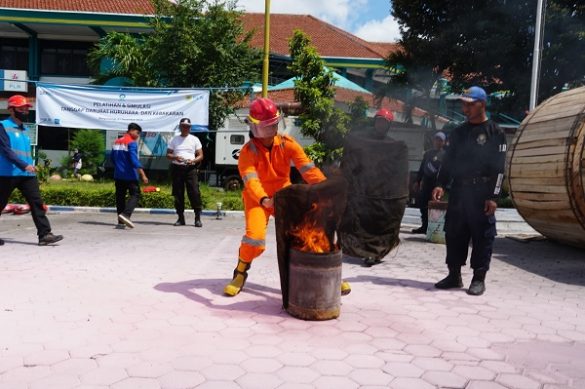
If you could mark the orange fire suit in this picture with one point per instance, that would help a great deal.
(264, 172)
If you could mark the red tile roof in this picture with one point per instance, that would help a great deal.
(329, 40)
(384, 48)
(135, 7)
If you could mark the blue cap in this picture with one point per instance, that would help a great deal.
(441, 135)
(475, 93)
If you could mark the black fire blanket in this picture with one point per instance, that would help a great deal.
(295, 205)
(377, 175)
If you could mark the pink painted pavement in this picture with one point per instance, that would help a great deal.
(144, 308)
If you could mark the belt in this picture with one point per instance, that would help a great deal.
(473, 180)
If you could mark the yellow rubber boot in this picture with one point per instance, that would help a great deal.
(237, 283)
(345, 288)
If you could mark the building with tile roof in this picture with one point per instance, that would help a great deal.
(50, 40)
(36, 31)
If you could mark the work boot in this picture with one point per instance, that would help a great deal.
(198, 219)
(477, 286)
(180, 221)
(49, 239)
(237, 283)
(453, 280)
(345, 288)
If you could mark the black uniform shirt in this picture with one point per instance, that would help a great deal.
(476, 151)
(430, 165)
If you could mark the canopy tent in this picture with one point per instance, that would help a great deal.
(338, 81)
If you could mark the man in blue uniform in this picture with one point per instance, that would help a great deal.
(474, 167)
(426, 178)
(17, 169)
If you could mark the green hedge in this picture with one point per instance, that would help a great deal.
(103, 195)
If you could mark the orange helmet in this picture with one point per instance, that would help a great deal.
(384, 113)
(263, 114)
(17, 101)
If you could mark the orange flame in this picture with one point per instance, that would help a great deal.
(309, 236)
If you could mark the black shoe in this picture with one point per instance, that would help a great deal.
(125, 220)
(452, 281)
(1, 242)
(50, 239)
(420, 230)
(180, 222)
(369, 262)
(476, 288)
(198, 223)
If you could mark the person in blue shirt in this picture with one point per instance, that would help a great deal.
(17, 169)
(127, 168)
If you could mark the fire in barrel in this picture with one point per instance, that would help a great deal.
(309, 258)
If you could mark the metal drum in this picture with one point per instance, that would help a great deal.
(314, 291)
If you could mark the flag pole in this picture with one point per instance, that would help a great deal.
(534, 81)
(265, 62)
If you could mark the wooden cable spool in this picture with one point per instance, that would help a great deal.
(546, 168)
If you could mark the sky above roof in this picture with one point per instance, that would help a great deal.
(368, 19)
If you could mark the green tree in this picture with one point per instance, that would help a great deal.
(315, 91)
(488, 43)
(358, 114)
(195, 43)
(92, 145)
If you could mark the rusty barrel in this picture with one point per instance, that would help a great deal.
(314, 289)
(546, 168)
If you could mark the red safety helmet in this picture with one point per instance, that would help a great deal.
(263, 113)
(384, 113)
(18, 101)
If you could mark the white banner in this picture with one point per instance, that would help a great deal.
(108, 108)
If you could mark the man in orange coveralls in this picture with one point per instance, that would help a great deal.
(264, 166)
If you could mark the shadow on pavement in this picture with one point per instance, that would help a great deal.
(548, 259)
(93, 223)
(215, 287)
(430, 286)
(12, 241)
(159, 223)
(415, 238)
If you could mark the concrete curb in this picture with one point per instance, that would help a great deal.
(151, 211)
(509, 221)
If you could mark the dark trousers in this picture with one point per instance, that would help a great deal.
(424, 197)
(29, 187)
(185, 177)
(465, 221)
(133, 189)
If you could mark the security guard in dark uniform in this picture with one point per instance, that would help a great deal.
(426, 178)
(474, 166)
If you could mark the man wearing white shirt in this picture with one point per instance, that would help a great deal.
(185, 152)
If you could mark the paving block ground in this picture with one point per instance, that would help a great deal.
(144, 308)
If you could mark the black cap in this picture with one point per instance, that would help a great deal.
(134, 126)
(185, 121)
